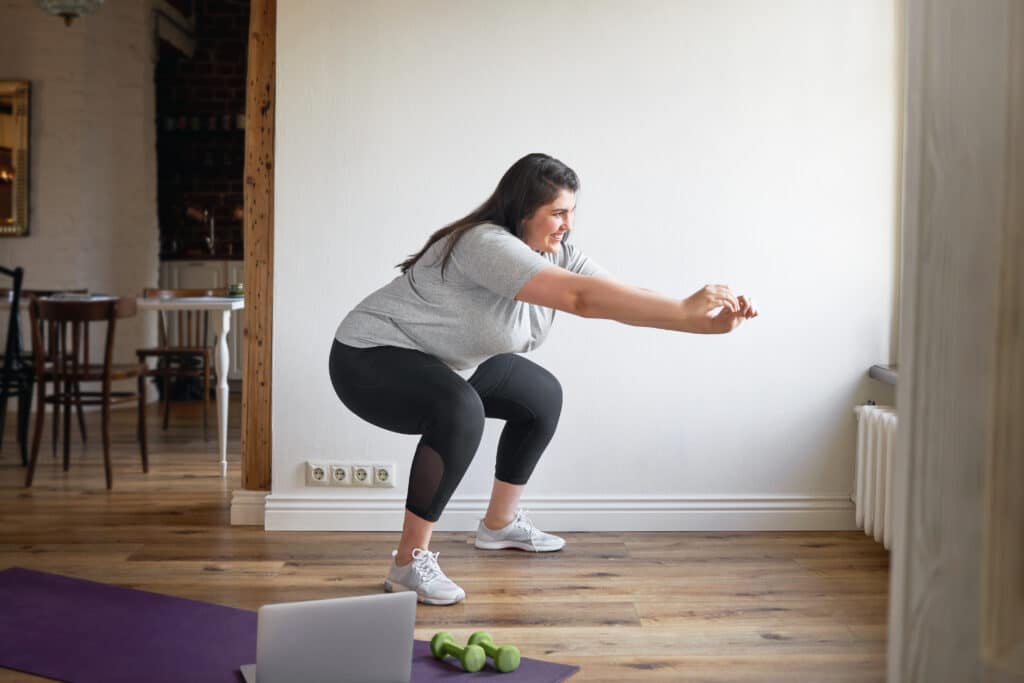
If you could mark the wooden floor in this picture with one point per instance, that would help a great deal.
(624, 607)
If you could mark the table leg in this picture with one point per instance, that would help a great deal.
(221, 328)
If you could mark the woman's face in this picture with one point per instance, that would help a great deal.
(544, 230)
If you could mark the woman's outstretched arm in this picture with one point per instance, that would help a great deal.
(599, 297)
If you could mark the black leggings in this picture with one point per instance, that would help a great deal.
(411, 392)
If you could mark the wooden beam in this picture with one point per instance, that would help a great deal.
(259, 246)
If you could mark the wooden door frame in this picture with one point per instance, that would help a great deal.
(259, 247)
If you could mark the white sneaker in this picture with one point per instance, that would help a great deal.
(521, 534)
(424, 576)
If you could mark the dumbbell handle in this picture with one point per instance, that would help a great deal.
(453, 650)
(490, 648)
(506, 657)
(465, 655)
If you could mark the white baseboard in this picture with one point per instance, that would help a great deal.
(693, 513)
(247, 507)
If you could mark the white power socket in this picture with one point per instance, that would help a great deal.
(362, 475)
(341, 475)
(329, 473)
(384, 475)
(317, 474)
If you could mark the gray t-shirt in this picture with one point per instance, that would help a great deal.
(470, 316)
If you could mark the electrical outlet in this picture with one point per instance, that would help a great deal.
(317, 474)
(341, 475)
(362, 475)
(384, 475)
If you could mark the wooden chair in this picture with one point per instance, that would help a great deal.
(24, 359)
(16, 374)
(60, 344)
(183, 338)
(28, 294)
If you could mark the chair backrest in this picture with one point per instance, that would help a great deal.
(12, 347)
(60, 333)
(17, 304)
(183, 329)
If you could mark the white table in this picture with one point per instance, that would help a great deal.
(220, 309)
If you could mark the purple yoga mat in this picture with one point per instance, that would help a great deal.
(86, 632)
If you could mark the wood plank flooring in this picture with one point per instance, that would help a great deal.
(707, 607)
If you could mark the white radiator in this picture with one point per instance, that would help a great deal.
(876, 445)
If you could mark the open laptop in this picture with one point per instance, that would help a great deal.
(366, 639)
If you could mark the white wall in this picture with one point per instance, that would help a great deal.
(93, 219)
(741, 142)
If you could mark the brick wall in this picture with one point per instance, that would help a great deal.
(201, 145)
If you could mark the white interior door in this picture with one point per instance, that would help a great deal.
(957, 598)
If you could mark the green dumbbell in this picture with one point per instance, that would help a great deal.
(471, 656)
(506, 657)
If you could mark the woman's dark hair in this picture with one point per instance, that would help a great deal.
(531, 182)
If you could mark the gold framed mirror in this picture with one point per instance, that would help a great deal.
(14, 156)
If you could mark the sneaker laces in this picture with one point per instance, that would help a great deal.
(523, 522)
(425, 564)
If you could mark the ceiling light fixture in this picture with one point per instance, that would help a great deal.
(70, 9)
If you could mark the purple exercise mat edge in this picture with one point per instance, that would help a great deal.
(152, 649)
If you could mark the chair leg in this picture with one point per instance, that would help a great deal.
(56, 414)
(106, 440)
(81, 413)
(5, 391)
(66, 414)
(24, 405)
(3, 410)
(142, 423)
(167, 397)
(37, 436)
(206, 396)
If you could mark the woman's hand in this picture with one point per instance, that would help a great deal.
(716, 310)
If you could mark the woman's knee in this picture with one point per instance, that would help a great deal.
(459, 413)
(549, 396)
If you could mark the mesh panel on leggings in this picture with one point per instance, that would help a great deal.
(424, 481)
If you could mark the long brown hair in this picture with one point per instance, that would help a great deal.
(528, 184)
